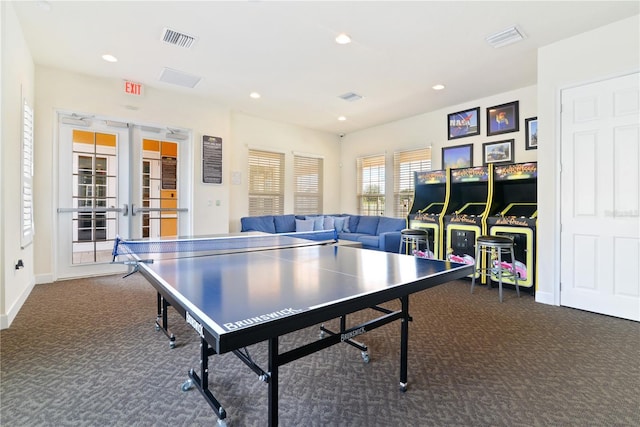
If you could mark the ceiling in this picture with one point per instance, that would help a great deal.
(286, 51)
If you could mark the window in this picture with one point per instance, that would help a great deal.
(26, 218)
(371, 185)
(266, 183)
(405, 163)
(307, 175)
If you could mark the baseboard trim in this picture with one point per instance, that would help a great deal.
(545, 298)
(7, 319)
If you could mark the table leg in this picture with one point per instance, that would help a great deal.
(404, 342)
(273, 382)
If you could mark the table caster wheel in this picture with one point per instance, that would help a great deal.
(222, 423)
(403, 387)
(321, 334)
(157, 327)
(172, 344)
(187, 385)
(365, 357)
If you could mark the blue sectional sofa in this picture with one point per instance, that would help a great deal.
(373, 232)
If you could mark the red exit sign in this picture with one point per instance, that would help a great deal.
(132, 88)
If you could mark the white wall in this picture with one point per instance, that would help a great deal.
(426, 130)
(17, 82)
(63, 90)
(59, 90)
(254, 133)
(599, 54)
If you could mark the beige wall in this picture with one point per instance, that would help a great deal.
(17, 83)
(254, 133)
(606, 52)
(59, 90)
(426, 130)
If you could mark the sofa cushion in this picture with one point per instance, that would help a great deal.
(285, 223)
(387, 224)
(303, 225)
(370, 242)
(264, 223)
(368, 225)
(350, 236)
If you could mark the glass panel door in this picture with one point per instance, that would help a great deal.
(116, 179)
(92, 196)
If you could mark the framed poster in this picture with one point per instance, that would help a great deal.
(463, 123)
(497, 152)
(460, 156)
(531, 133)
(211, 159)
(503, 119)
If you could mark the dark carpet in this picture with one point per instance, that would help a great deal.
(85, 353)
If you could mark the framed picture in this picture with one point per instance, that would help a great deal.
(463, 123)
(497, 152)
(502, 119)
(531, 132)
(460, 156)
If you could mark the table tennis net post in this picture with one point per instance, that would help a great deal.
(210, 245)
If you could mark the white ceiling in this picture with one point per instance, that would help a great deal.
(286, 50)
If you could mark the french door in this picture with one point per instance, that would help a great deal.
(114, 179)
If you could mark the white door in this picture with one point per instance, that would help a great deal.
(93, 195)
(600, 197)
(115, 179)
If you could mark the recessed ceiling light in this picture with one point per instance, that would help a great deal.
(437, 87)
(342, 118)
(343, 39)
(254, 95)
(109, 58)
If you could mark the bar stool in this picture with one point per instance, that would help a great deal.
(492, 246)
(411, 237)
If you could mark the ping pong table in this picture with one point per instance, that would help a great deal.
(238, 291)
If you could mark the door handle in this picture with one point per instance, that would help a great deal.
(124, 210)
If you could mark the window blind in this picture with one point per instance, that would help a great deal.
(266, 183)
(371, 182)
(405, 163)
(27, 227)
(307, 173)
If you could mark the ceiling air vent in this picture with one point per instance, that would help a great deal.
(351, 97)
(177, 38)
(179, 78)
(505, 37)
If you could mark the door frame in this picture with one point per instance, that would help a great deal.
(185, 185)
(556, 220)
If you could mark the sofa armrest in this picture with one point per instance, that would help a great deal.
(389, 241)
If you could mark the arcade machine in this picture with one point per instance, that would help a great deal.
(430, 191)
(467, 208)
(514, 214)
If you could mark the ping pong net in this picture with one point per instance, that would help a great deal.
(204, 246)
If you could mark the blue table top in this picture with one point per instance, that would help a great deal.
(243, 298)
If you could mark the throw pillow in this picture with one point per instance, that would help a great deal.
(317, 221)
(346, 227)
(303, 225)
(338, 224)
(328, 223)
